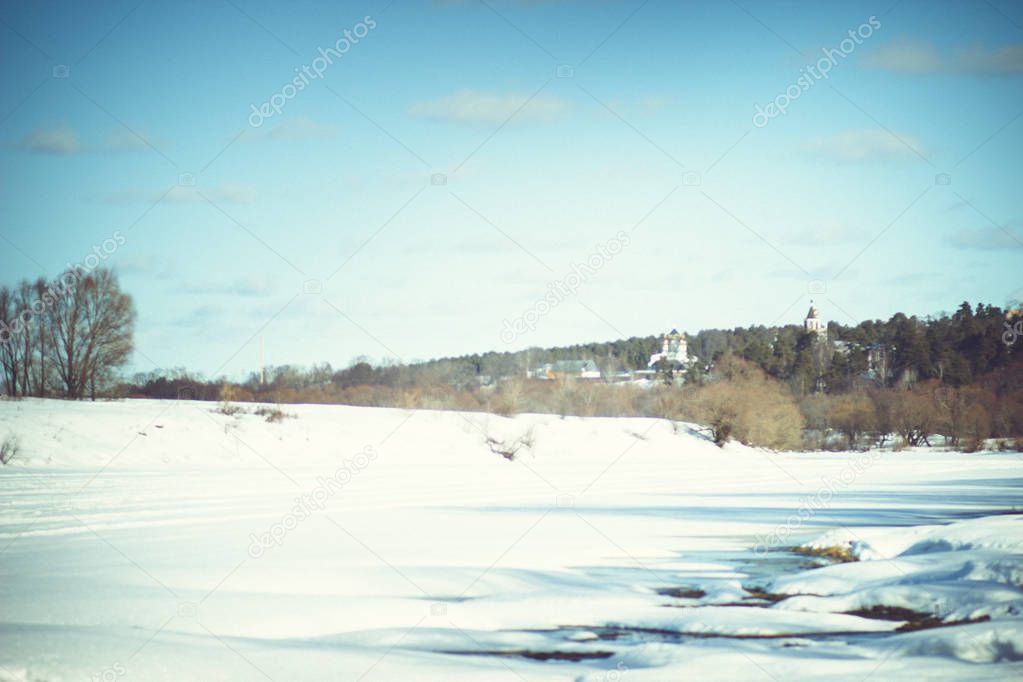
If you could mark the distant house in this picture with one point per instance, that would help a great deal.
(879, 359)
(569, 369)
(878, 363)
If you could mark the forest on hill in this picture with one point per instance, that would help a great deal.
(956, 375)
(955, 349)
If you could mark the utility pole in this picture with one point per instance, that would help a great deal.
(262, 362)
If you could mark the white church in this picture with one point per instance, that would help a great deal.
(675, 350)
(814, 324)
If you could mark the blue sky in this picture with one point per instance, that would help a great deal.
(459, 157)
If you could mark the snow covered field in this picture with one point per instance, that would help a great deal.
(153, 541)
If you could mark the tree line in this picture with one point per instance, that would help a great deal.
(780, 387)
(954, 350)
(65, 337)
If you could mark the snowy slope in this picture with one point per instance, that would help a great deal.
(156, 540)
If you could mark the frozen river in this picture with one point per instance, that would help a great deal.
(162, 541)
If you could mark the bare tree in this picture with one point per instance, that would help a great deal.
(92, 325)
(67, 335)
(9, 346)
(853, 415)
(25, 300)
(41, 287)
(913, 416)
(742, 402)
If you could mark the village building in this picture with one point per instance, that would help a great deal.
(878, 355)
(674, 349)
(568, 369)
(814, 324)
(878, 363)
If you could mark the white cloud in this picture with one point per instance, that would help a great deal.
(231, 193)
(149, 266)
(1005, 60)
(60, 141)
(913, 58)
(301, 128)
(828, 232)
(205, 316)
(656, 102)
(65, 141)
(866, 145)
(473, 107)
(181, 194)
(122, 139)
(296, 128)
(924, 58)
(247, 286)
(985, 239)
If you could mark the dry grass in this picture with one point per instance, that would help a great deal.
(9, 449)
(745, 404)
(230, 409)
(274, 415)
(510, 448)
(836, 553)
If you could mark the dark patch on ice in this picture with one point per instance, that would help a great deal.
(571, 656)
(763, 595)
(914, 620)
(681, 592)
(931, 623)
(625, 633)
(757, 598)
(776, 562)
(880, 612)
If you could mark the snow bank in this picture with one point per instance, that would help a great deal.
(964, 571)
